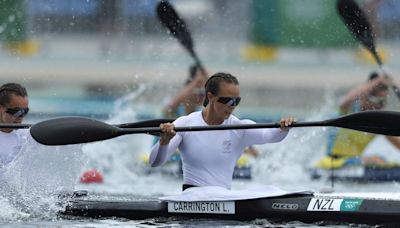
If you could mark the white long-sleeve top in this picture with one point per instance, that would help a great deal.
(10, 144)
(209, 157)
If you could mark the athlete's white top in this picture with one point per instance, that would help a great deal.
(209, 157)
(10, 144)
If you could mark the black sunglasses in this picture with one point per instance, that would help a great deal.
(17, 112)
(230, 101)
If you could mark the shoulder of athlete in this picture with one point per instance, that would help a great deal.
(186, 120)
(235, 120)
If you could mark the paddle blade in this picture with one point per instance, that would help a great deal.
(176, 25)
(356, 21)
(377, 122)
(72, 130)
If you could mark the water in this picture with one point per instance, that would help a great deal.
(40, 173)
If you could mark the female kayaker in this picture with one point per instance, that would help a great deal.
(209, 157)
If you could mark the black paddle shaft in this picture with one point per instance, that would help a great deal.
(14, 126)
(72, 130)
(178, 28)
(378, 122)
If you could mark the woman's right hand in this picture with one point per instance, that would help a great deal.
(286, 122)
(167, 133)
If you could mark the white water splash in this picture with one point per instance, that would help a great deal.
(120, 159)
(123, 102)
(286, 162)
(9, 212)
(35, 178)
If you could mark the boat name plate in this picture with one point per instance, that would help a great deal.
(211, 207)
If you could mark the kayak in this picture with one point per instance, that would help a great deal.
(358, 208)
(356, 169)
(358, 173)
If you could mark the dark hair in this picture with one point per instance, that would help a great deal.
(212, 84)
(373, 75)
(11, 88)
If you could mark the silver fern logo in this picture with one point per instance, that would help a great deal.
(226, 146)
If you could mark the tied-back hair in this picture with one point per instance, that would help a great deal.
(11, 88)
(212, 84)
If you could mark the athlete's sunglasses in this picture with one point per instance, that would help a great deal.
(17, 112)
(230, 101)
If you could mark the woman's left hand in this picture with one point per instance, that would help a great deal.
(286, 122)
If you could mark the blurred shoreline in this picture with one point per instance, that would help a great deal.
(81, 59)
(296, 78)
